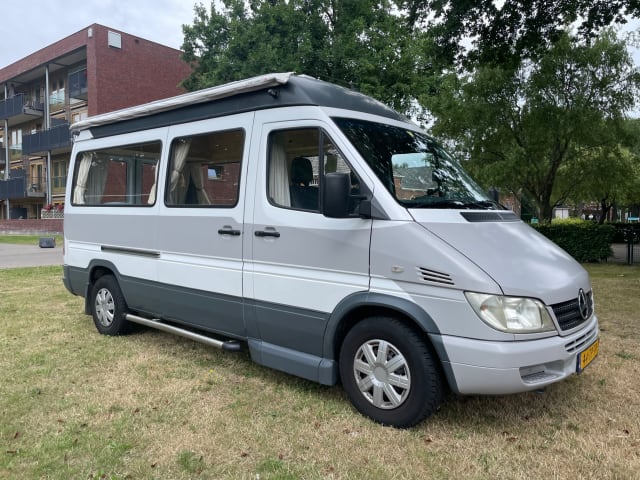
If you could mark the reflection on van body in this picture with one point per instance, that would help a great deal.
(327, 235)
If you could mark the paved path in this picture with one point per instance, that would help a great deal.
(620, 253)
(12, 256)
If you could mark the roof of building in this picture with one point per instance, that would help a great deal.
(262, 92)
(60, 54)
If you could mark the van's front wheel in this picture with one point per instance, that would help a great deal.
(389, 373)
(108, 307)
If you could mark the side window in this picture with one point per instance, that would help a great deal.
(204, 170)
(298, 159)
(120, 175)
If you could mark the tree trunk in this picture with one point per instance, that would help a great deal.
(546, 212)
(604, 210)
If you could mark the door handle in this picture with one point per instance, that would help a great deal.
(229, 231)
(267, 233)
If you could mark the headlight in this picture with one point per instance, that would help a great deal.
(511, 314)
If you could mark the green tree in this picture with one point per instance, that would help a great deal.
(506, 32)
(609, 174)
(358, 43)
(521, 128)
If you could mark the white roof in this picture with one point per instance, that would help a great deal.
(200, 96)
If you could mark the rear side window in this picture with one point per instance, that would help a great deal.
(120, 175)
(204, 170)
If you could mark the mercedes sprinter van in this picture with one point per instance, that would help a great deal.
(327, 235)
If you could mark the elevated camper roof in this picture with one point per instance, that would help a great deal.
(257, 93)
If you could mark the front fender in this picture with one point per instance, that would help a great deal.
(361, 302)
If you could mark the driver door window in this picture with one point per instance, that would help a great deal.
(298, 159)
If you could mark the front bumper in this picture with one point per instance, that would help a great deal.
(476, 367)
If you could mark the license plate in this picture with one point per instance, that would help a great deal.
(587, 355)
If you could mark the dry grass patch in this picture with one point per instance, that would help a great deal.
(76, 404)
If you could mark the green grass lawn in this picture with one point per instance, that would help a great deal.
(27, 239)
(78, 405)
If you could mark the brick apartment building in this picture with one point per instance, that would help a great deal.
(93, 71)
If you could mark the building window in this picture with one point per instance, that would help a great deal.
(16, 138)
(15, 147)
(78, 86)
(59, 179)
(77, 116)
(57, 96)
(37, 177)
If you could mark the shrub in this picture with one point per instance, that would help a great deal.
(584, 241)
(626, 230)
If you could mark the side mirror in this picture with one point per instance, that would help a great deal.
(335, 195)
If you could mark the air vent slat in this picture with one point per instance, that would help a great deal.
(433, 276)
(502, 216)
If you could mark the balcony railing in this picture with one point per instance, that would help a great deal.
(14, 187)
(11, 106)
(47, 140)
(17, 105)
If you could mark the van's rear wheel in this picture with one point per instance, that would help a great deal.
(108, 307)
(389, 373)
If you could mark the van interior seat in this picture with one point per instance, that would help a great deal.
(303, 195)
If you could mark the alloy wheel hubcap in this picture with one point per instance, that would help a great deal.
(105, 307)
(382, 374)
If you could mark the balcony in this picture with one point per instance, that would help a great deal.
(14, 187)
(17, 110)
(39, 143)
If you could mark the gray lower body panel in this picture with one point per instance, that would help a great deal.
(281, 337)
(297, 363)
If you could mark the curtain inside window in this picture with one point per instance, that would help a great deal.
(96, 182)
(198, 183)
(81, 184)
(278, 174)
(178, 182)
(152, 193)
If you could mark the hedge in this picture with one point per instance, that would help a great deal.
(624, 231)
(584, 241)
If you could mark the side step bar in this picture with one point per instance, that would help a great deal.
(228, 345)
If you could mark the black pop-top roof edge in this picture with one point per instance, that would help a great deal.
(273, 90)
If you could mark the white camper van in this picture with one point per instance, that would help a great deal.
(326, 234)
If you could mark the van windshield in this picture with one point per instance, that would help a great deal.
(413, 167)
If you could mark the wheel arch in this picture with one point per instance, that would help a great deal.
(96, 269)
(360, 306)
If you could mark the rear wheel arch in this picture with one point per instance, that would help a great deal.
(97, 268)
(108, 306)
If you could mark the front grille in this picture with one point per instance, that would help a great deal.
(568, 313)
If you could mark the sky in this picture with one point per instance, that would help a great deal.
(29, 25)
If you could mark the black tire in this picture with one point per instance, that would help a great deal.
(108, 307)
(389, 373)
